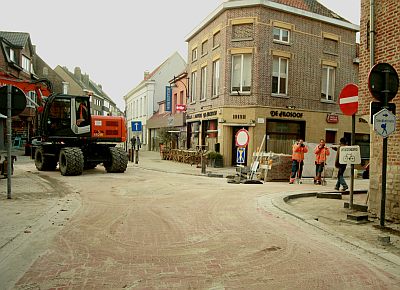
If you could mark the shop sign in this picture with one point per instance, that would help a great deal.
(180, 107)
(286, 114)
(202, 115)
(332, 118)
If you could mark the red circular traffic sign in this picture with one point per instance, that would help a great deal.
(348, 99)
(242, 138)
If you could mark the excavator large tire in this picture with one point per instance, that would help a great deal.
(44, 162)
(71, 161)
(118, 161)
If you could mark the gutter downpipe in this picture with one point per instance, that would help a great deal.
(372, 32)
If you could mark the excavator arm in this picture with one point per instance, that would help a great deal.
(42, 87)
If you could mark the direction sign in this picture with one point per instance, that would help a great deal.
(383, 82)
(242, 138)
(384, 123)
(348, 99)
(136, 126)
(350, 155)
(375, 107)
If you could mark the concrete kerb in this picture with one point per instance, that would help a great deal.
(281, 204)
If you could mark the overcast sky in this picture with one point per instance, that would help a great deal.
(114, 42)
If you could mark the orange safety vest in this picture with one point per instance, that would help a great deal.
(321, 154)
(298, 152)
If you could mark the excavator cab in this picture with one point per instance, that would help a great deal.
(66, 116)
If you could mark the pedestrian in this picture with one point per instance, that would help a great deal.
(342, 167)
(321, 153)
(298, 150)
(133, 145)
(138, 143)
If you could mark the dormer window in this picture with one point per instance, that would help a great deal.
(12, 55)
(26, 64)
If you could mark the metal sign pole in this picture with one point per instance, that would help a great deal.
(9, 135)
(384, 157)
(352, 142)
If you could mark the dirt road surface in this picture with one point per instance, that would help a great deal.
(156, 230)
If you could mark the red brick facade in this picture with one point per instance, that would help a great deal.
(387, 49)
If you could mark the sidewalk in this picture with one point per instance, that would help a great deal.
(34, 199)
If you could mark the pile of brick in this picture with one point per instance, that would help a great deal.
(274, 167)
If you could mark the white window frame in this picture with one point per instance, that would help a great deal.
(12, 55)
(194, 54)
(280, 75)
(204, 47)
(203, 83)
(26, 64)
(32, 95)
(193, 81)
(215, 35)
(280, 34)
(329, 71)
(241, 71)
(215, 78)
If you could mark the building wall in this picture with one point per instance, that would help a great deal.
(306, 57)
(387, 46)
(42, 70)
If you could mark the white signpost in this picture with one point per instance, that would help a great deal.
(350, 155)
(384, 123)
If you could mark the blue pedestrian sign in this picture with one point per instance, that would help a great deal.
(240, 155)
(136, 126)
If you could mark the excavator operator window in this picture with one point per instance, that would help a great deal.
(59, 115)
(82, 113)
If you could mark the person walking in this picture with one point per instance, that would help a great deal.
(321, 153)
(342, 167)
(298, 150)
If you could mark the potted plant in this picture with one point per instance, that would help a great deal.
(216, 159)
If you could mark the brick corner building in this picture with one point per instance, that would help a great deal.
(380, 42)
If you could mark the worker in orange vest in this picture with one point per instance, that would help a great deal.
(321, 153)
(298, 150)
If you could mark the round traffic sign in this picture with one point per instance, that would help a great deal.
(348, 99)
(383, 82)
(242, 138)
(18, 101)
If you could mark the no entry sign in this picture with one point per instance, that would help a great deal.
(242, 138)
(348, 100)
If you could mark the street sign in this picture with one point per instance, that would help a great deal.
(375, 107)
(383, 82)
(242, 138)
(348, 99)
(350, 155)
(240, 155)
(384, 123)
(136, 126)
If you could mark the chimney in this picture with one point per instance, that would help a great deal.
(146, 75)
(85, 79)
(78, 73)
